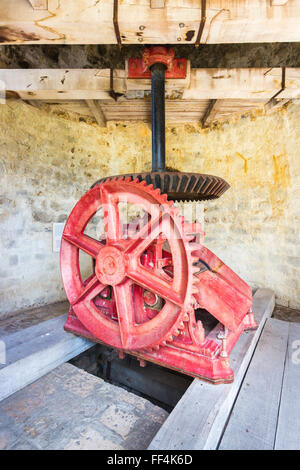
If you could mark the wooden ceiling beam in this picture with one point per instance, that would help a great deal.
(142, 21)
(276, 3)
(39, 4)
(74, 84)
(97, 112)
(157, 3)
(93, 84)
(210, 113)
(213, 83)
(177, 111)
(275, 103)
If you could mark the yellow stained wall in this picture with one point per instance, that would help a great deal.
(47, 162)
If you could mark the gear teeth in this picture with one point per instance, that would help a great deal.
(183, 186)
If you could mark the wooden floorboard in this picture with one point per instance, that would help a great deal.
(33, 352)
(253, 421)
(198, 420)
(288, 427)
(18, 321)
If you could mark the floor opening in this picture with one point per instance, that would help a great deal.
(161, 386)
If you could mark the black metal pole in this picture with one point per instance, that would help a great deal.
(158, 117)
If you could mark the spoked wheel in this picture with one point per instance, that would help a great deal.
(123, 274)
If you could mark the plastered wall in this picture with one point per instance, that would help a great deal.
(47, 162)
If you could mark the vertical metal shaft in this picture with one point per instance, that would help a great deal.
(158, 117)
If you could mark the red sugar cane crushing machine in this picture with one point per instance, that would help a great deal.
(156, 292)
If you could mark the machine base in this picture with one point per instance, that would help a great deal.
(210, 367)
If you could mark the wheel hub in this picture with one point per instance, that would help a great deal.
(110, 266)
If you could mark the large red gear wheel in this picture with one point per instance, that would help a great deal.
(118, 264)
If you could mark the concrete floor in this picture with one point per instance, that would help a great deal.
(71, 409)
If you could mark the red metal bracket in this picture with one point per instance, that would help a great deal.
(139, 68)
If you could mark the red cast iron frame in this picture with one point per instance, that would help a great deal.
(142, 297)
(151, 287)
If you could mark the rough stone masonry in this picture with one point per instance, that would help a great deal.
(47, 162)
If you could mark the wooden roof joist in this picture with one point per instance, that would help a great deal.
(208, 84)
(142, 21)
(177, 111)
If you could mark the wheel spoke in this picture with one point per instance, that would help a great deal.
(145, 237)
(125, 310)
(111, 216)
(85, 243)
(153, 282)
(89, 291)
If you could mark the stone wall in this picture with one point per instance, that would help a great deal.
(280, 54)
(47, 162)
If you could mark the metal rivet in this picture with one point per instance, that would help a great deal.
(141, 28)
(178, 39)
(140, 39)
(181, 25)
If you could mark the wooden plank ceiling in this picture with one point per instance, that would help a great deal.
(205, 95)
(148, 21)
(177, 111)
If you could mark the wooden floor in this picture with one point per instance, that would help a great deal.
(264, 414)
(259, 410)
